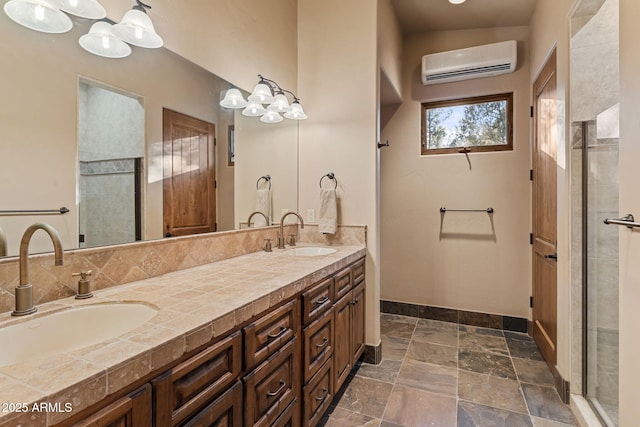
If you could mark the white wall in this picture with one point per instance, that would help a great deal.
(481, 263)
(337, 82)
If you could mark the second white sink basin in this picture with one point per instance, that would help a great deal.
(310, 251)
(70, 329)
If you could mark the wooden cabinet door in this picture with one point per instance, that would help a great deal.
(225, 411)
(133, 410)
(318, 346)
(342, 354)
(357, 322)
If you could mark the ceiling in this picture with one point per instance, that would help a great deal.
(417, 16)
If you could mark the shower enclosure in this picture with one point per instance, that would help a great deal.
(595, 135)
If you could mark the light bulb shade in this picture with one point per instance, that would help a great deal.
(271, 117)
(89, 9)
(233, 99)
(280, 104)
(262, 94)
(457, 1)
(101, 41)
(137, 29)
(254, 109)
(296, 112)
(39, 15)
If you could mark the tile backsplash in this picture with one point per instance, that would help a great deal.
(116, 265)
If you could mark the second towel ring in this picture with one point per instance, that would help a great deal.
(266, 178)
(331, 176)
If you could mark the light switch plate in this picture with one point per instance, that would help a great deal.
(311, 215)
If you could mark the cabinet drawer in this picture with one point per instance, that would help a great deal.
(318, 344)
(133, 410)
(317, 395)
(343, 283)
(317, 300)
(357, 272)
(267, 334)
(290, 417)
(226, 410)
(185, 389)
(272, 386)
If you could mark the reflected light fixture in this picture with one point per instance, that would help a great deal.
(137, 29)
(101, 41)
(39, 15)
(457, 1)
(89, 9)
(266, 92)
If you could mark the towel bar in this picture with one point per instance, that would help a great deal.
(488, 210)
(267, 178)
(331, 176)
(60, 211)
(627, 220)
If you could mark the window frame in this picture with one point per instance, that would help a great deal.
(424, 106)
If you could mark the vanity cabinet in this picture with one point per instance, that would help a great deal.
(132, 410)
(182, 392)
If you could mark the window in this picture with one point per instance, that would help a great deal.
(482, 123)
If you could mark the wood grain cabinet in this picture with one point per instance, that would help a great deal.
(181, 392)
(132, 410)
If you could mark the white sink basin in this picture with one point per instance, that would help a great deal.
(70, 329)
(310, 251)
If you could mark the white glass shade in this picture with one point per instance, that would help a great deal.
(296, 112)
(262, 94)
(89, 9)
(280, 104)
(457, 1)
(101, 41)
(39, 15)
(271, 117)
(137, 29)
(254, 109)
(233, 99)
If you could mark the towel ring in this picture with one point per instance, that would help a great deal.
(331, 176)
(267, 178)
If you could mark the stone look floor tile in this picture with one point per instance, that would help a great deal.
(481, 331)
(542, 422)
(366, 396)
(544, 402)
(394, 348)
(533, 372)
(397, 326)
(491, 391)
(486, 363)
(433, 353)
(386, 371)
(482, 342)
(428, 377)
(415, 408)
(522, 346)
(436, 332)
(472, 415)
(341, 417)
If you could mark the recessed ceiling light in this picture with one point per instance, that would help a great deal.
(457, 1)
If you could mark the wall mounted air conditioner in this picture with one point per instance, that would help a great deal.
(470, 63)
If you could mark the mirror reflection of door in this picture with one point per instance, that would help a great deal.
(189, 190)
(111, 146)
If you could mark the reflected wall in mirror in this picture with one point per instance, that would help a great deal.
(43, 120)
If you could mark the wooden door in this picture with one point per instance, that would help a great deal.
(342, 354)
(544, 211)
(357, 322)
(189, 203)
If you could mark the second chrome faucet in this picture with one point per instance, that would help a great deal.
(281, 235)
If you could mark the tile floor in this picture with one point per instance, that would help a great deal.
(444, 374)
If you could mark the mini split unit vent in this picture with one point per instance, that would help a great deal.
(471, 63)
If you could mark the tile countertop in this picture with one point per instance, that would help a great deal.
(194, 306)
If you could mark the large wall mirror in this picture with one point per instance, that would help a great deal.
(122, 143)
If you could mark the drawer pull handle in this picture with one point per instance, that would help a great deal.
(322, 300)
(325, 392)
(282, 330)
(277, 392)
(355, 301)
(325, 341)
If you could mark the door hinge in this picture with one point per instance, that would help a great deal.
(81, 238)
(215, 140)
(531, 238)
(215, 183)
(531, 111)
(530, 174)
(531, 302)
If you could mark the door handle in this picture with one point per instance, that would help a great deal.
(553, 256)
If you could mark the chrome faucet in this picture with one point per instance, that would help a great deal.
(24, 291)
(3, 243)
(256, 213)
(281, 236)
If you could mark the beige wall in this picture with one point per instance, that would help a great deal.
(550, 27)
(481, 262)
(629, 202)
(337, 81)
(389, 44)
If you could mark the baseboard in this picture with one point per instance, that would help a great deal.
(562, 386)
(372, 354)
(472, 318)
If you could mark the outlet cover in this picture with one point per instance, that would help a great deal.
(311, 215)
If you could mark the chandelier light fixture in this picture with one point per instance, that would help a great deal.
(457, 1)
(267, 101)
(103, 39)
